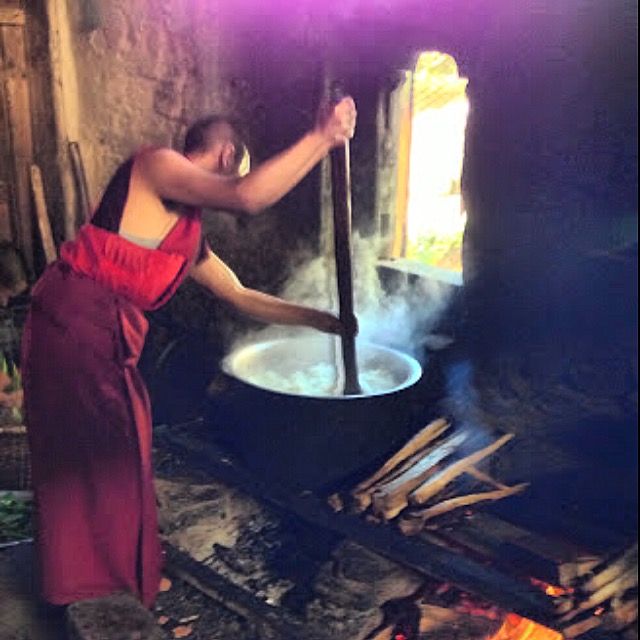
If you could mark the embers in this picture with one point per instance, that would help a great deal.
(438, 611)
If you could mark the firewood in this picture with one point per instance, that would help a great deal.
(613, 570)
(389, 499)
(435, 484)
(410, 524)
(627, 580)
(419, 441)
(463, 501)
(570, 572)
(486, 478)
(362, 500)
(433, 617)
(624, 614)
(580, 628)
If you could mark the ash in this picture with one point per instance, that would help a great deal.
(325, 581)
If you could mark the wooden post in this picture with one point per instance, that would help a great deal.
(15, 87)
(48, 245)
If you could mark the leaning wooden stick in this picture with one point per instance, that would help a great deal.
(419, 441)
(435, 484)
(416, 520)
(390, 499)
(485, 477)
(44, 225)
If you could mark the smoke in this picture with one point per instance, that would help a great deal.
(399, 314)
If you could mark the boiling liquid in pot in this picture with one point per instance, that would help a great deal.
(310, 367)
(320, 380)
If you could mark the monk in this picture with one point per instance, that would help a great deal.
(87, 409)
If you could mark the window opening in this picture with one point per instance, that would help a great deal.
(431, 215)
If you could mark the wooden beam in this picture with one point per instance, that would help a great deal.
(13, 74)
(12, 16)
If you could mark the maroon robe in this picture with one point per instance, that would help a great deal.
(87, 408)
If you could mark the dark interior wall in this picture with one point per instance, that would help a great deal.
(549, 180)
(550, 177)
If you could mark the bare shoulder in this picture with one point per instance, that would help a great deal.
(152, 158)
(159, 167)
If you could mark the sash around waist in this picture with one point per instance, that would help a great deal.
(88, 313)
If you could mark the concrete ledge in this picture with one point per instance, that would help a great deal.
(116, 617)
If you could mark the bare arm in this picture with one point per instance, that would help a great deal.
(173, 177)
(213, 274)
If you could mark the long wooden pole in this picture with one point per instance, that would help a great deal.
(341, 193)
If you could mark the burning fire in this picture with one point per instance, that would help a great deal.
(516, 628)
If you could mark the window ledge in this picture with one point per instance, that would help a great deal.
(415, 268)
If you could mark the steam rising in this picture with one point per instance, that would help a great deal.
(401, 318)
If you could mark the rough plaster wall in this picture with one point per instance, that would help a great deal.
(136, 79)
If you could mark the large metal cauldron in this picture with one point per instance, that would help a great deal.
(275, 410)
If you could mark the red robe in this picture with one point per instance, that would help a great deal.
(87, 408)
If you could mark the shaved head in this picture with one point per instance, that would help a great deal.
(205, 133)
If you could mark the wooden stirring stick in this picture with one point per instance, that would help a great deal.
(341, 193)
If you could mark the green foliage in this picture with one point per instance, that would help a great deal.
(11, 370)
(434, 250)
(15, 518)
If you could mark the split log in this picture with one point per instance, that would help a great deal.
(569, 572)
(415, 520)
(623, 582)
(613, 570)
(434, 485)
(419, 441)
(389, 499)
(363, 500)
(580, 628)
(607, 583)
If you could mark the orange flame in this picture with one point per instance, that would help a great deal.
(549, 589)
(516, 628)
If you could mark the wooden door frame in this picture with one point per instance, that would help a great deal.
(14, 91)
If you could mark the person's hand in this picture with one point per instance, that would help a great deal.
(337, 121)
(350, 326)
(329, 323)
